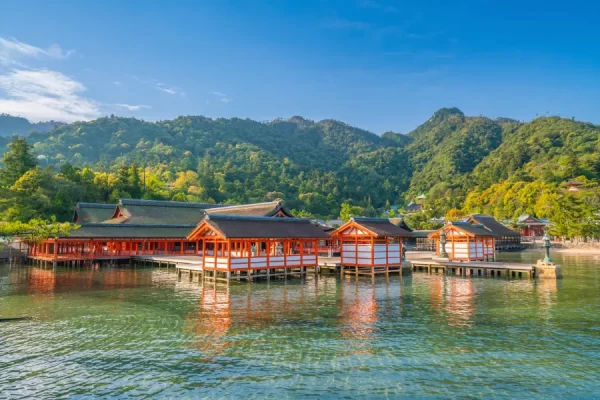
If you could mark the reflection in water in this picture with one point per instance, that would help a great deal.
(123, 332)
(41, 281)
(454, 298)
(460, 302)
(547, 292)
(358, 315)
(213, 319)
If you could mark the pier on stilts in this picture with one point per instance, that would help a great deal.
(371, 246)
(475, 268)
(261, 241)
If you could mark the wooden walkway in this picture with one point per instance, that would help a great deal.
(475, 268)
(329, 264)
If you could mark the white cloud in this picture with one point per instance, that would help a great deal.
(133, 107)
(41, 95)
(117, 83)
(163, 87)
(222, 97)
(12, 50)
(166, 89)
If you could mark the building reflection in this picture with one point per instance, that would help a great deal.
(225, 310)
(212, 321)
(460, 302)
(40, 281)
(453, 298)
(358, 315)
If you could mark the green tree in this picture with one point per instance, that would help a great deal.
(38, 229)
(18, 160)
(348, 211)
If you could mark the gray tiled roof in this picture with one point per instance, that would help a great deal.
(131, 231)
(242, 227)
(267, 209)
(86, 213)
(491, 224)
(381, 226)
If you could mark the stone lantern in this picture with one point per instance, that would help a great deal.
(443, 253)
(546, 269)
(547, 245)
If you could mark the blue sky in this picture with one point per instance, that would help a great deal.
(378, 65)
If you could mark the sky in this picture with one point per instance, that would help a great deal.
(378, 65)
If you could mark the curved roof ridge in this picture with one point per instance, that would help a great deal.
(100, 224)
(230, 206)
(222, 217)
(166, 203)
(95, 205)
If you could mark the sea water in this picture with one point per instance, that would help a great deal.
(127, 332)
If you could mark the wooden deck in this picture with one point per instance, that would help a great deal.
(418, 262)
(474, 268)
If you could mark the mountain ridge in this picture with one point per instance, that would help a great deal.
(314, 164)
(10, 125)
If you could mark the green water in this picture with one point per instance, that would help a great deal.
(142, 333)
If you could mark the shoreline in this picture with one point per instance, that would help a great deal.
(589, 252)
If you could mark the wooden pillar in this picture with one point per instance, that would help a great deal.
(469, 248)
(387, 251)
(356, 250)
(215, 252)
(268, 251)
(248, 245)
(229, 255)
(372, 251)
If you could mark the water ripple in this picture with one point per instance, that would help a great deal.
(124, 333)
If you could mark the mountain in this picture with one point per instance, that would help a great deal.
(448, 147)
(316, 165)
(10, 125)
(304, 160)
(551, 149)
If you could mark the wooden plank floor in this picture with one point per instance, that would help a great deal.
(329, 261)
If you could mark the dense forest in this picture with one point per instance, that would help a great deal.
(323, 169)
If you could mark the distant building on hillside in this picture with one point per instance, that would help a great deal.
(440, 220)
(412, 207)
(573, 185)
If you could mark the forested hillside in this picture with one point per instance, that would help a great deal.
(314, 166)
(10, 125)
